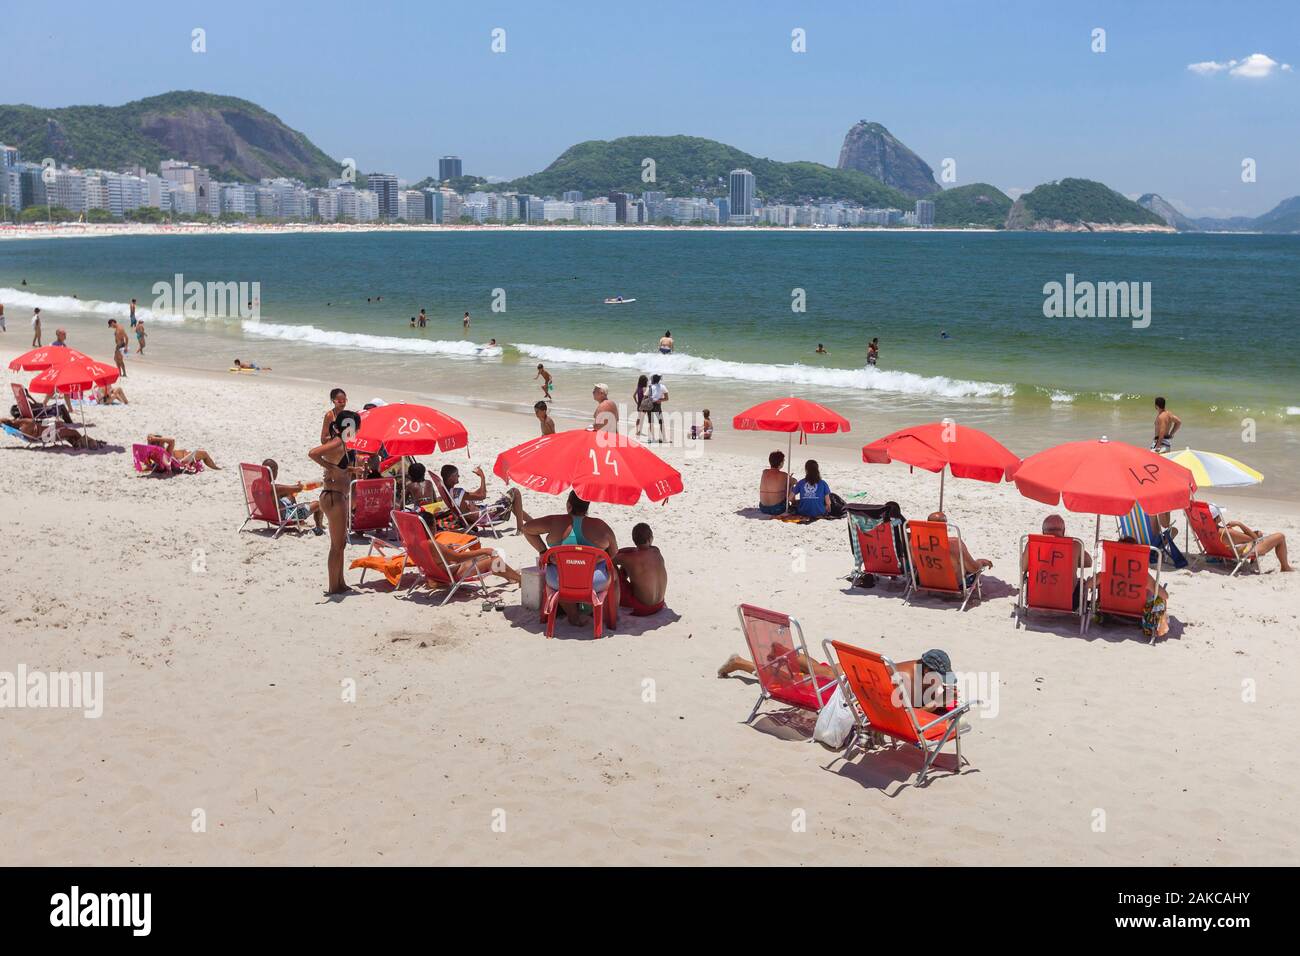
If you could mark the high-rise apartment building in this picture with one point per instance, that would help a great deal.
(448, 168)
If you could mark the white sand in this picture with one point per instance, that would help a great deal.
(223, 684)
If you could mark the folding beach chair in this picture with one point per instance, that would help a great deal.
(575, 582)
(1054, 579)
(776, 644)
(485, 521)
(1122, 583)
(1214, 543)
(27, 410)
(370, 505)
(869, 683)
(260, 499)
(933, 568)
(433, 568)
(156, 460)
(48, 438)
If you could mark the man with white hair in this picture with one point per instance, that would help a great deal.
(605, 416)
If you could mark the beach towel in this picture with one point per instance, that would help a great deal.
(391, 567)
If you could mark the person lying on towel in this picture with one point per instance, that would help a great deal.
(642, 576)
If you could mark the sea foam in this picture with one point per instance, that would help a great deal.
(311, 335)
(66, 303)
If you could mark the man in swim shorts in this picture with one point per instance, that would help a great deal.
(774, 486)
(119, 346)
(642, 575)
(666, 344)
(1167, 424)
(547, 382)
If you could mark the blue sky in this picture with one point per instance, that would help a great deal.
(1011, 90)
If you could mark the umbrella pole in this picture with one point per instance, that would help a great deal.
(789, 465)
(942, 475)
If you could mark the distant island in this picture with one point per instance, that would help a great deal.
(198, 157)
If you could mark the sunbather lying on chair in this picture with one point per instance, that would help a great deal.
(37, 430)
(475, 557)
(960, 554)
(180, 454)
(291, 508)
(1245, 540)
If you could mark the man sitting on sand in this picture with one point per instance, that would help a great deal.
(468, 503)
(39, 429)
(642, 575)
(1054, 526)
(575, 526)
(959, 553)
(774, 486)
(543, 413)
(180, 454)
(290, 506)
(1244, 540)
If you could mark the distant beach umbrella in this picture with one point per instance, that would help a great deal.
(38, 360)
(1213, 470)
(601, 466)
(943, 447)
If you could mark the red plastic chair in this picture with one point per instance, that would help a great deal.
(370, 504)
(576, 566)
(1052, 574)
(1124, 585)
(882, 705)
(775, 642)
(933, 569)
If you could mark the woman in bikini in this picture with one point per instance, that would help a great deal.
(339, 403)
(337, 468)
(180, 454)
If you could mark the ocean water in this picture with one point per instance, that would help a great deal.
(747, 311)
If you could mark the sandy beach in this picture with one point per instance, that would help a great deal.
(474, 740)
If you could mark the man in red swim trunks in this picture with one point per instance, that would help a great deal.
(643, 578)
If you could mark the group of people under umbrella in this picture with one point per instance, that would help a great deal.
(63, 372)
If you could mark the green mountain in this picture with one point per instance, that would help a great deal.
(233, 138)
(1077, 202)
(690, 165)
(976, 205)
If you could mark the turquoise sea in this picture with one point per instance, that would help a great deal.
(1220, 344)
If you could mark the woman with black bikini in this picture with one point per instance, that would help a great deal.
(336, 464)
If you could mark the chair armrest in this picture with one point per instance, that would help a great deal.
(959, 711)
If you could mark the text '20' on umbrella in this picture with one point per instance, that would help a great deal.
(599, 466)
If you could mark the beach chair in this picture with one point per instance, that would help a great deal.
(434, 571)
(776, 642)
(1213, 542)
(1054, 579)
(370, 505)
(48, 438)
(156, 460)
(933, 568)
(881, 699)
(485, 521)
(876, 552)
(260, 499)
(575, 568)
(1122, 583)
(27, 410)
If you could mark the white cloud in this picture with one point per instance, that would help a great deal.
(1254, 67)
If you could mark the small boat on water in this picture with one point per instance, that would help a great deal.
(618, 300)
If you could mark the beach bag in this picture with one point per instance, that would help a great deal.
(1169, 546)
(834, 721)
(646, 405)
(837, 509)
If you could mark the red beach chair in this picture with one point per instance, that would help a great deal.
(1054, 578)
(1212, 541)
(575, 567)
(869, 681)
(1122, 586)
(433, 568)
(260, 498)
(879, 553)
(370, 505)
(775, 642)
(933, 570)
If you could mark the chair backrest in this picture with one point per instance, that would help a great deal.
(1207, 532)
(414, 535)
(1137, 524)
(447, 500)
(148, 458)
(20, 399)
(774, 650)
(1122, 584)
(576, 566)
(1052, 567)
(932, 560)
(874, 682)
(879, 553)
(372, 503)
(259, 493)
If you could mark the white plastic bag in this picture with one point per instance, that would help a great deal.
(834, 721)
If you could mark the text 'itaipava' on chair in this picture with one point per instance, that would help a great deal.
(576, 566)
(882, 704)
(1054, 579)
(934, 568)
(780, 655)
(370, 505)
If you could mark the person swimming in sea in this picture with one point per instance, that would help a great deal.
(873, 352)
(821, 349)
(666, 344)
(944, 335)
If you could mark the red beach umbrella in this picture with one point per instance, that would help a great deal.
(600, 466)
(74, 376)
(791, 415)
(1105, 478)
(942, 447)
(38, 360)
(407, 429)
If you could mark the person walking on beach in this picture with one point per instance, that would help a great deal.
(133, 320)
(336, 466)
(547, 383)
(641, 401)
(36, 329)
(873, 352)
(1167, 424)
(658, 394)
(120, 346)
(140, 336)
(666, 344)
